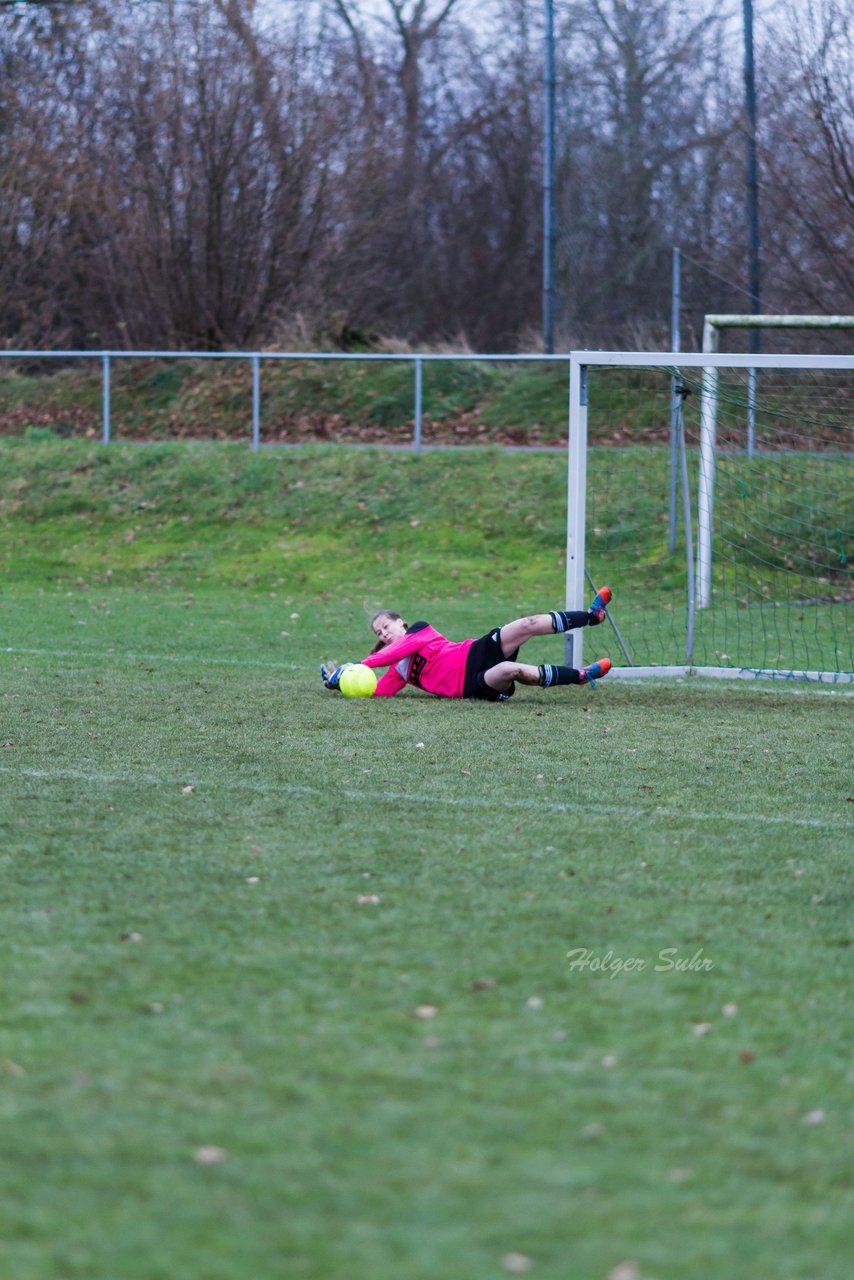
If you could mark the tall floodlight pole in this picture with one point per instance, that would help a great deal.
(676, 400)
(549, 181)
(754, 269)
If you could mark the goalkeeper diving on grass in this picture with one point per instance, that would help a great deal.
(487, 668)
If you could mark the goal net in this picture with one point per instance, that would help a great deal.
(731, 552)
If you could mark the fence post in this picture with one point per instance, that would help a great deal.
(105, 399)
(256, 403)
(751, 413)
(419, 375)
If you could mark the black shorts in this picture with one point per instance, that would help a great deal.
(485, 653)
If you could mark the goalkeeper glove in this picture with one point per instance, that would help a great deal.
(331, 678)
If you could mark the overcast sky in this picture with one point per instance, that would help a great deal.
(770, 16)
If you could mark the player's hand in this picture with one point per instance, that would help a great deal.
(331, 678)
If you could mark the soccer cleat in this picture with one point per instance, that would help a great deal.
(596, 670)
(599, 605)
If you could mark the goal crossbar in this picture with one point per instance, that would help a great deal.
(712, 325)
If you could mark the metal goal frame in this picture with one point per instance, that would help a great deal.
(577, 585)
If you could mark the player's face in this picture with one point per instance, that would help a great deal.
(388, 629)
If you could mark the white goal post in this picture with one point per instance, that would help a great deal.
(705, 366)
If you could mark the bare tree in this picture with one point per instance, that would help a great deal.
(643, 72)
(416, 24)
(40, 185)
(808, 157)
(403, 57)
(195, 174)
(184, 171)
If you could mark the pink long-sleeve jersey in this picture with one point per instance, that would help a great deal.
(424, 658)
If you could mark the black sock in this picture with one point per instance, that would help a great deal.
(570, 619)
(551, 675)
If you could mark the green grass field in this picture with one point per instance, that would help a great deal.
(296, 986)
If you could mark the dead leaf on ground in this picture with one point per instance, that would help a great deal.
(517, 1263)
(211, 1155)
(627, 1270)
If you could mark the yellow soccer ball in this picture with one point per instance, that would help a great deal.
(357, 681)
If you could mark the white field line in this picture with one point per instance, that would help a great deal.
(93, 655)
(405, 797)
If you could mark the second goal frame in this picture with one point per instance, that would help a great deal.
(669, 363)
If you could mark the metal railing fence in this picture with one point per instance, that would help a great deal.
(254, 359)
